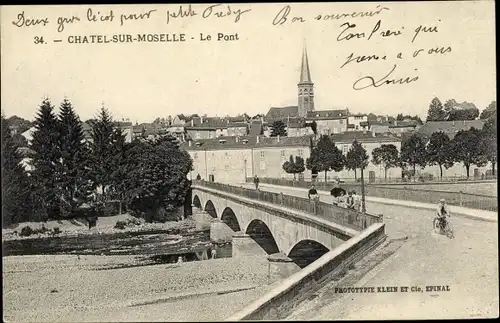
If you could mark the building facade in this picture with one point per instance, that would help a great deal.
(329, 121)
(356, 122)
(232, 159)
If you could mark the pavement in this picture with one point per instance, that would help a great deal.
(467, 264)
(455, 210)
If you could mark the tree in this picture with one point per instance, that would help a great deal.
(460, 111)
(19, 123)
(107, 138)
(372, 117)
(467, 148)
(73, 166)
(15, 182)
(489, 142)
(46, 162)
(314, 127)
(439, 151)
(325, 157)
(413, 152)
(356, 158)
(387, 155)
(278, 128)
(156, 180)
(436, 111)
(400, 117)
(489, 111)
(294, 166)
(299, 165)
(288, 166)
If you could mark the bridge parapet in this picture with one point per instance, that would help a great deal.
(346, 217)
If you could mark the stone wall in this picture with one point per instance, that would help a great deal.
(277, 303)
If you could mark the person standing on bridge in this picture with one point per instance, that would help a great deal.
(313, 194)
(356, 201)
(256, 182)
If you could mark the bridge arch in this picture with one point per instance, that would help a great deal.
(229, 218)
(210, 209)
(261, 234)
(197, 202)
(306, 252)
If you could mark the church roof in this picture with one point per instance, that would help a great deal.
(305, 74)
(276, 113)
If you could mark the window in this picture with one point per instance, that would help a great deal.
(282, 153)
(345, 149)
(262, 154)
(226, 167)
(357, 127)
(300, 152)
(341, 121)
(195, 155)
(262, 165)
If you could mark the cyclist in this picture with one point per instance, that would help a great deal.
(442, 212)
(313, 194)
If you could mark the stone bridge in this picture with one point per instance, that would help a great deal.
(256, 226)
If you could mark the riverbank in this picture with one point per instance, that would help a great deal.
(70, 288)
(105, 225)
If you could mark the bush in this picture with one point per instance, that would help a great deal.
(56, 231)
(26, 231)
(120, 225)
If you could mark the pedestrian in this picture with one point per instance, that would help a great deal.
(214, 253)
(350, 201)
(342, 199)
(356, 201)
(313, 193)
(256, 182)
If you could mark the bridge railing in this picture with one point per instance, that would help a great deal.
(474, 201)
(345, 217)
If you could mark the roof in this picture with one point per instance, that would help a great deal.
(305, 73)
(247, 142)
(327, 114)
(404, 124)
(223, 143)
(282, 112)
(86, 126)
(378, 123)
(208, 122)
(450, 127)
(25, 151)
(237, 125)
(362, 136)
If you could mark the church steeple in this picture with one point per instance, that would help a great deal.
(305, 87)
(305, 74)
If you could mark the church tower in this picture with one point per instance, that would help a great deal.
(305, 87)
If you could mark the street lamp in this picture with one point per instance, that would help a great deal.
(245, 160)
(363, 205)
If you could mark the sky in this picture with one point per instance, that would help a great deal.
(143, 81)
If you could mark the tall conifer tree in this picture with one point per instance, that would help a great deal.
(73, 168)
(15, 185)
(45, 161)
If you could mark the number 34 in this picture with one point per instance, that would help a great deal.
(38, 40)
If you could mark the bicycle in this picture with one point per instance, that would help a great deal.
(446, 229)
